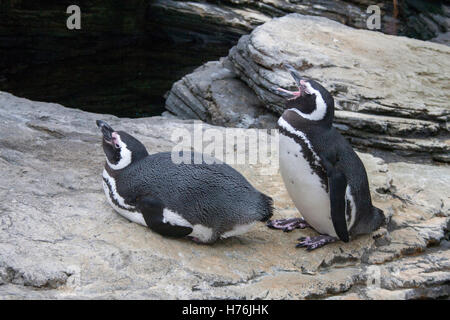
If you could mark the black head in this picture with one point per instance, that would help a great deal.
(120, 148)
(312, 101)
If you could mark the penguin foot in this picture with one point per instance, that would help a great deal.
(195, 239)
(200, 241)
(288, 224)
(312, 243)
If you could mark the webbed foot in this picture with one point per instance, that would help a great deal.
(312, 243)
(288, 224)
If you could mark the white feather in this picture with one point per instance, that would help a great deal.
(174, 218)
(303, 185)
(284, 124)
(238, 230)
(348, 196)
(132, 216)
(201, 232)
(125, 155)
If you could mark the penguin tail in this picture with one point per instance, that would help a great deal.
(379, 217)
(267, 207)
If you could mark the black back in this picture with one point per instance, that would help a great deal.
(213, 195)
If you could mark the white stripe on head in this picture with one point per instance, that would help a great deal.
(321, 107)
(125, 154)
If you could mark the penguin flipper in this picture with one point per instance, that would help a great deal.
(152, 209)
(337, 183)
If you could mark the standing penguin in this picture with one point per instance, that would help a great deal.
(323, 175)
(201, 201)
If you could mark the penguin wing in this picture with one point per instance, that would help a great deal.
(337, 183)
(152, 209)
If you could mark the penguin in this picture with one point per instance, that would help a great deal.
(203, 202)
(322, 173)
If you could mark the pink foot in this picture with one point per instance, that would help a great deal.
(288, 224)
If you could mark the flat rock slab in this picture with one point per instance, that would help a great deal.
(60, 238)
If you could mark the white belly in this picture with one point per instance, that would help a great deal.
(305, 187)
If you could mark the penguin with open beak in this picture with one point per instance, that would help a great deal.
(323, 175)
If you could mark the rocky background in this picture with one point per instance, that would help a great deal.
(390, 92)
(425, 20)
(128, 53)
(59, 237)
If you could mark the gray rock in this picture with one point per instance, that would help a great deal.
(60, 239)
(214, 94)
(390, 92)
(226, 20)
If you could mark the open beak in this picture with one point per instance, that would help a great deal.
(294, 73)
(106, 130)
(290, 95)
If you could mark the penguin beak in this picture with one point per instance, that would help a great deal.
(294, 73)
(290, 95)
(106, 130)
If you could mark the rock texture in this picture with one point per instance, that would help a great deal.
(214, 94)
(390, 92)
(128, 54)
(226, 20)
(60, 239)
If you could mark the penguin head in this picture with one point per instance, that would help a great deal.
(312, 101)
(121, 149)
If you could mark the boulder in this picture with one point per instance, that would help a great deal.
(60, 238)
(390, 92)
(214, 94)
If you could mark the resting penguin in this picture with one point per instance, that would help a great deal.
(323, 175)
(202, 201)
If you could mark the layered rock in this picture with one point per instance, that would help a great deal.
(390, 92)
(60, 238)
(214, 94)
(227, 20)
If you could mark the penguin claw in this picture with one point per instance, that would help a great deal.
(288, 225)
(311, 243)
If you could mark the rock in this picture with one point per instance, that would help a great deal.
(214, 94)
(394, 99)
(60, 238)
(226, 20)
(127, 54)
